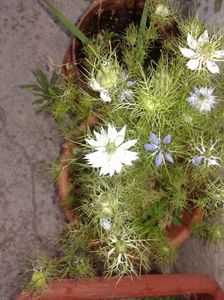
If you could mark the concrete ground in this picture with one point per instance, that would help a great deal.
(29, 214)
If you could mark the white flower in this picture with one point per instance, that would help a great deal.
(111, 151)
(202, 99)
(104, 93)
(202, 53)
(205, 155)
(105, 224)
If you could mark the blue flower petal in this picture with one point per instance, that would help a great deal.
(150, 147)
(128, 94)
(159, 159)
(131, 83)
(168, 157)
(123, 75)
(196, 160)
(166, 139)
(153, 138)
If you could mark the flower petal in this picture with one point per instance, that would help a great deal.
(120, 137)
(105, 224)
(212, 67)
(159, 159)
(189, 53)
(193, 64)
(150, 147)
(128, 144)
(196, 160)
(167, 139)
(212, 161)
(204, 37)
(95, 85)
(104, 95)
(153, 138)
(168, 157)
(219, 54)
(191, 41)
(123, 75)
(131, 83)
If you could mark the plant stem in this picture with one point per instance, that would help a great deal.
(66, 22)
(142, 23)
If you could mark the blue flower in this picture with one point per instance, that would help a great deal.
(159, 148)
(127, 94)
(202, 99)
(106, 224)
(205, 156)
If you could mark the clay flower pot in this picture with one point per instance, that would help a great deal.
(196, 285)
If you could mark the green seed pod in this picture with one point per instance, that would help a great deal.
(38, 279)
(108, 76)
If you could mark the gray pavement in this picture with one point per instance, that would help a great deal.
(29, 213)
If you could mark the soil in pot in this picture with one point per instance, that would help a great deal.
(115, 17)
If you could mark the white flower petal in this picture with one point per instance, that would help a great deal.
(212, 67)
(104, 95)
(204, 37)
(112, 133)
(128, 144)
(219, 54)
(191, 41)
(120, 136)
(128, 157)
(212, 161)
(94, 143)
(187, 52)
(193, 64)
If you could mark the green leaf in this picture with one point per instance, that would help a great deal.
(54, 79)
(142, 23)
(66, 22)
(42, 79)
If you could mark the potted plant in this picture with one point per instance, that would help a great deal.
(143, 117)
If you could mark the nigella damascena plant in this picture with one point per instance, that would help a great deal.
(111, 151)
(203, 53)
(205, 156)
(202, 99)
(160, 148)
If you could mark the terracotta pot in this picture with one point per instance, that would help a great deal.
(199, 286)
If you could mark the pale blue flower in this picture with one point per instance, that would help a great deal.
(105, 224)
(202, 99)
(205, 156)
(159, 148)
(127, 94)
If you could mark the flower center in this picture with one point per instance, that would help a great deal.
(201, 98)
(110, 148)
(206, 50)
(121, 246)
